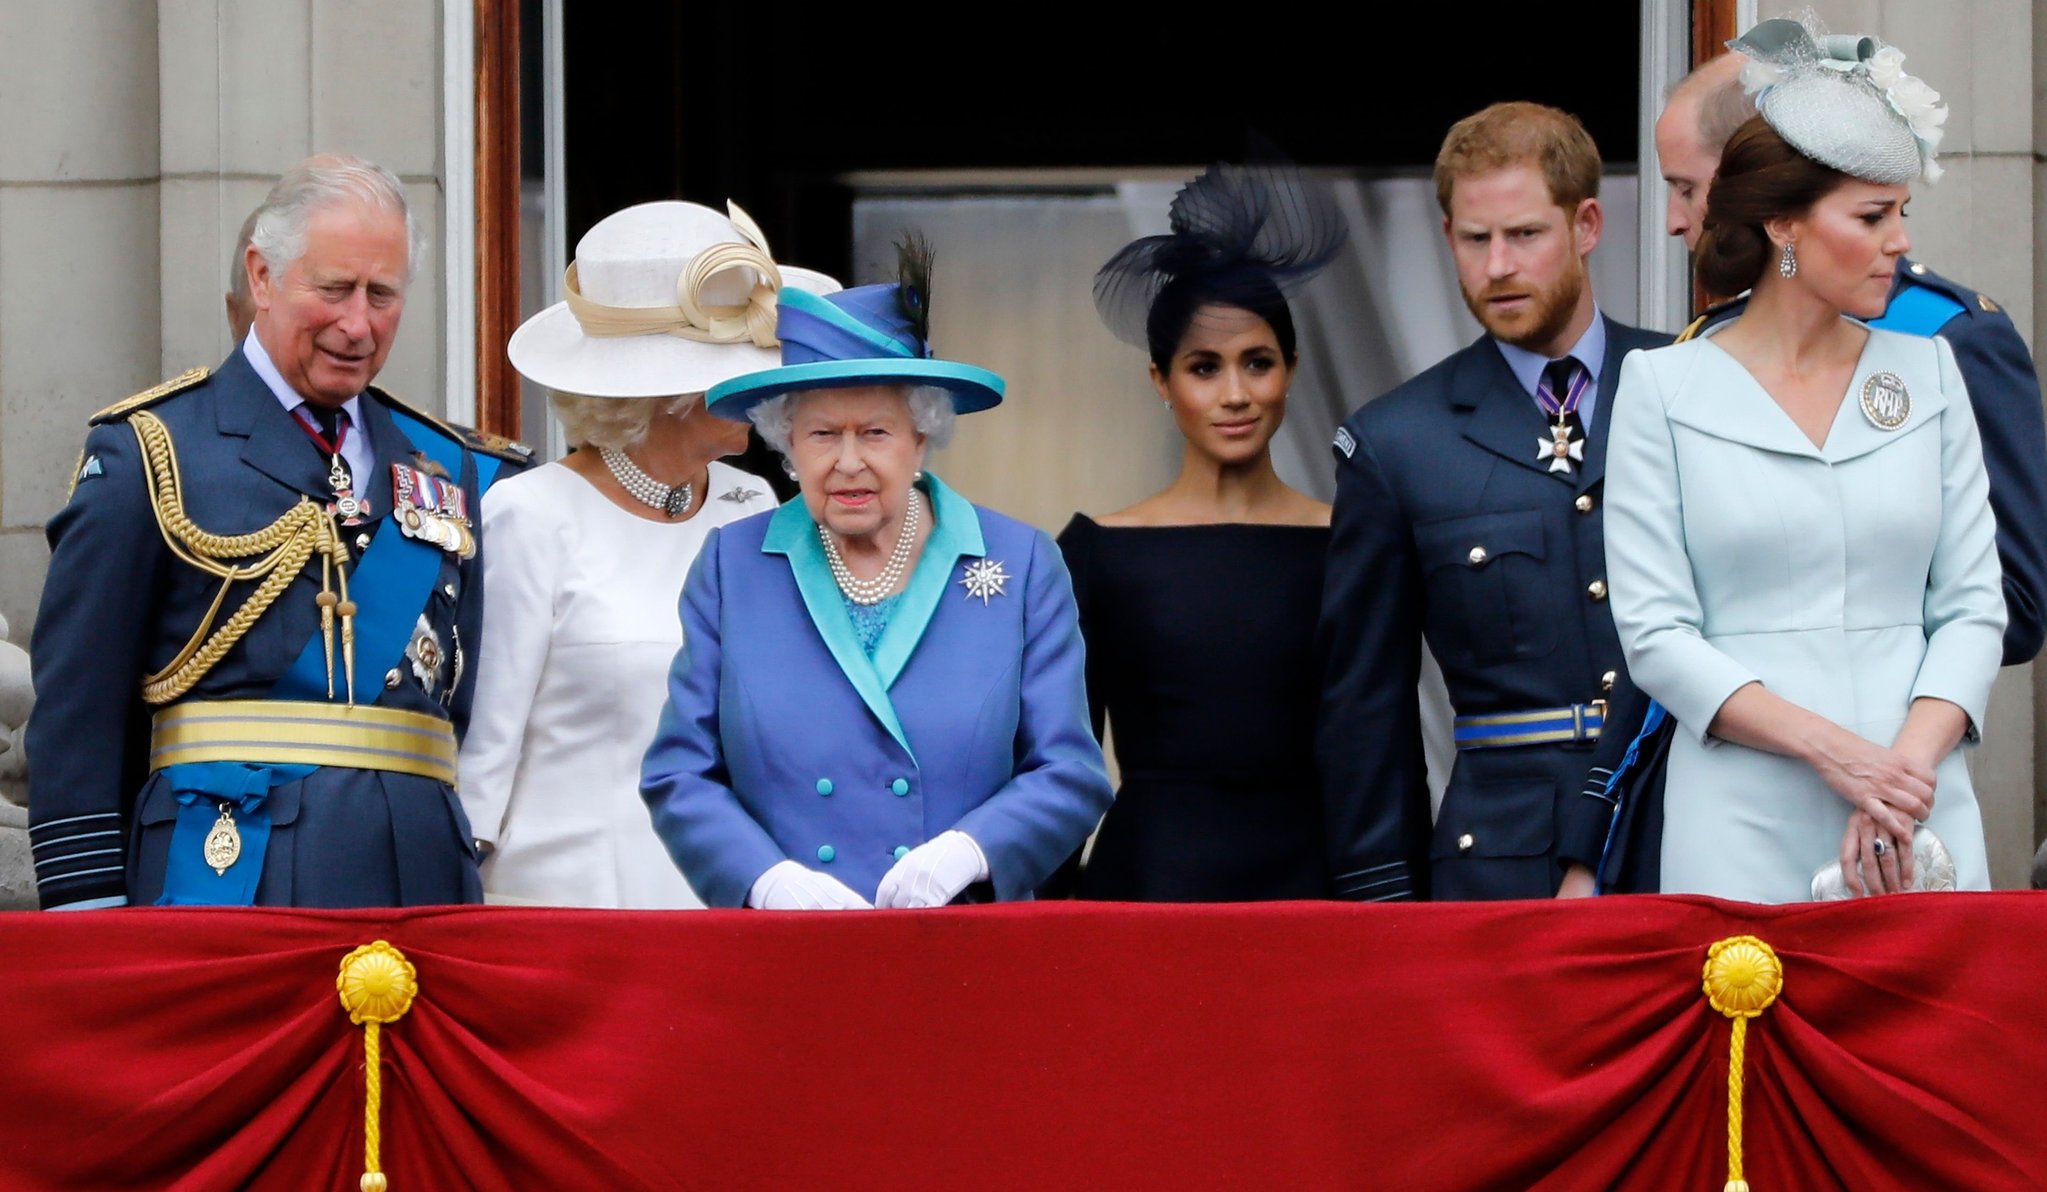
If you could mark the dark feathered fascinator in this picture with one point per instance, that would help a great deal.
(914, 258)
(1242, 235)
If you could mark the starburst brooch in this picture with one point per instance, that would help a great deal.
(984, 579)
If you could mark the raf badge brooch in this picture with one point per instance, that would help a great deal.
(431, 509)
(1885, 401)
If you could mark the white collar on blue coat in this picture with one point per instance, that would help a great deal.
(955, 534)
(355, 446)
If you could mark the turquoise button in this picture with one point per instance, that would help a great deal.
(902, 850)
(824, 786)
(826, 852)
(900, 786)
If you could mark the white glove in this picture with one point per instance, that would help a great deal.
(787, 886)
(933, 873)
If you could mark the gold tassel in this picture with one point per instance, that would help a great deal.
(377, 985)
(1743, 977)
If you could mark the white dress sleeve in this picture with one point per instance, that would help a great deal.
(525, 545)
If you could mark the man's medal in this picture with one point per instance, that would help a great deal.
(1565, 443)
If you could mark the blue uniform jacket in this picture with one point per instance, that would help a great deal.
(2004, 392)
(783, 741)
(1447, 527)
(118, 605)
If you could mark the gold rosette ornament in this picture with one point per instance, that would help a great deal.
(1743, 976)
(377, 985)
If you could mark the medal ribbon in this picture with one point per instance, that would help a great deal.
(1574, 391)
(202, 788)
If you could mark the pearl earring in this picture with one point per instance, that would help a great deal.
(1787, 262)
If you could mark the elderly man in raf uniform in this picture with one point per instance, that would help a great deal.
(258, 635)
(1704, 111)
(1468, 515)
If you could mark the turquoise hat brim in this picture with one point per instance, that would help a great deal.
(972, 388)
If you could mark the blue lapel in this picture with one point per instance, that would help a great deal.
(276, 446)
(955, 532)
(1504, 419)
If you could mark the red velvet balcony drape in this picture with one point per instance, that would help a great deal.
(1298, 1046)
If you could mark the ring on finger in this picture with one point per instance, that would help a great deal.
(1877, 846)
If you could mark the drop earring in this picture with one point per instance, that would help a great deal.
(1787, 262)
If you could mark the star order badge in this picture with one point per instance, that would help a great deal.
(983, 579)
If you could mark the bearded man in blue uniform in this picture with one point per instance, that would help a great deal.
(1468, 515)
(257, 638)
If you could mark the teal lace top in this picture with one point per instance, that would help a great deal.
(870, 621)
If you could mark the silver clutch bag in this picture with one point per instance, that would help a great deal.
(1932, 869)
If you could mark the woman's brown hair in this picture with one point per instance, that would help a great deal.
(1761, 178)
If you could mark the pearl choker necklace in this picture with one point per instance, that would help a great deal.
(671, 499)
(874, 591)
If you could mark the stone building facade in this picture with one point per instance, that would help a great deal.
(135, 135)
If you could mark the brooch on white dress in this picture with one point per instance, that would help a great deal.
(984, 579)
(1885, 401)
(739, 495)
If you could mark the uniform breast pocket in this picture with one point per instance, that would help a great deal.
(1485, 585)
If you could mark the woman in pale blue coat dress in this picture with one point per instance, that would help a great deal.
(1799, 539)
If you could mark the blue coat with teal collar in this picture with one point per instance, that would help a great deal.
(1449, 529)
(118, 605)
(782, 740)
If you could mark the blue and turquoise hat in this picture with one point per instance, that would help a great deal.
(861, 336)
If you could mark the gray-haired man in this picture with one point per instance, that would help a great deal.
(255, 643)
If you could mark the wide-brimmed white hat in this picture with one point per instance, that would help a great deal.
(663, 298)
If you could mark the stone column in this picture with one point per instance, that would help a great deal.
(79, 318)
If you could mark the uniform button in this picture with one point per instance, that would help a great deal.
(362, 542)
(1478, 556)
(1596, 589)
(448, 590)
(900, 786)
(392, 677)
(1583, 504)
(902, 850)
(1464, 843)
(1606, 681)
(824, 786)
(826, 852)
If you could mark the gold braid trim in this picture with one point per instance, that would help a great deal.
(285, 546)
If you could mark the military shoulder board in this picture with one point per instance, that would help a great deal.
(149, 397)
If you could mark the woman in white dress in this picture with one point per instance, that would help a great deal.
(1799, 541)
(588, 554)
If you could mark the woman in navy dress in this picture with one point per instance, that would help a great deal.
(1198, 604)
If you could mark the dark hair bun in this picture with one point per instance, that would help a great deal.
(1761, 178)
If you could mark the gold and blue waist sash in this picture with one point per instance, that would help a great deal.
(293, 733)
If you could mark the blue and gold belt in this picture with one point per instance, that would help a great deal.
(1567, 725)
(224, 758)
(289, 732)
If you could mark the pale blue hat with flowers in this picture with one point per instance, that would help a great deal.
(1843, 100)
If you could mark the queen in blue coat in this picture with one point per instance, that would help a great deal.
(880, 699)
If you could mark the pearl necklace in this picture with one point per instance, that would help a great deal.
(673, 500)
(874, 591)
